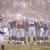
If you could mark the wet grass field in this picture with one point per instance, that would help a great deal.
(25, 47)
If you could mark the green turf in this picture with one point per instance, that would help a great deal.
(31, 47)
(14, 47)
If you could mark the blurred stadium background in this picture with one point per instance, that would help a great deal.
(13, 9)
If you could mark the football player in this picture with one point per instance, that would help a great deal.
(14, 32)
(22, 32)
(37, 26)
(31, 31)
(17, 34)
(41, 31)
(26, 25)
(45, 34)
(10, 32)
(1, 33)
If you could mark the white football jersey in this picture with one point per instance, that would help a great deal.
(20, 22)
(14, 31)
(1, 27)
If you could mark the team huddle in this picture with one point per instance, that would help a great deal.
(19, 30)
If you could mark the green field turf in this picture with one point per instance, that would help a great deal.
(31, 47)
(14, 47)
